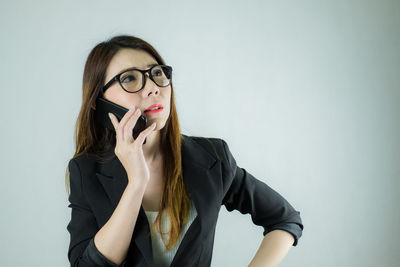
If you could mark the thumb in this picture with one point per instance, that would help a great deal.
(143, 134)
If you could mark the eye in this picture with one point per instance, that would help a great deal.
(157, 73)
(128, 78)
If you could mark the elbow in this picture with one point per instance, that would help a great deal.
(295, 229)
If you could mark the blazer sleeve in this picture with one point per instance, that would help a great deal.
(245, 193)
(82, 226)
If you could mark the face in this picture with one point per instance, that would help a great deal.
(150, 94)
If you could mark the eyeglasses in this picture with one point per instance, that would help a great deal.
(133, 80)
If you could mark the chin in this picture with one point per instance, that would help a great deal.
(159, 124)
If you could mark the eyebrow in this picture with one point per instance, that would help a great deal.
(150, 65)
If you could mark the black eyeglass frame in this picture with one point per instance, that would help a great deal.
(117, 78)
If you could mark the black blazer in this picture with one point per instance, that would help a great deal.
(213, 179)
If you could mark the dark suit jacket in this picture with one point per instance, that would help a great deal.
(213, 179)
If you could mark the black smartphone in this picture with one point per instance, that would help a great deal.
(104, 106)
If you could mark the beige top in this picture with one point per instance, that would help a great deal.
(162, 257)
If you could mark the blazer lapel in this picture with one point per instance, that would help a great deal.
(197, 165)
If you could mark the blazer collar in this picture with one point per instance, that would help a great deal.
(197, 164)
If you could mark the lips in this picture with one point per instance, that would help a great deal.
(154, 107)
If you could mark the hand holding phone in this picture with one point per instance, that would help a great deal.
(104, 106)
(131, 153)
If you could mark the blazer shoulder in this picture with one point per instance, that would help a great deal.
(84, 161)
(213, 145)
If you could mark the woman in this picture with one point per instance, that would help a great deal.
(154, 200)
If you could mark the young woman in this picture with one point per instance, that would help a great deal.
(156, 203)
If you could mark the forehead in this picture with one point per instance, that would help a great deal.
(129, 58)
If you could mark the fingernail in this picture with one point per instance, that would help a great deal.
(109, 115)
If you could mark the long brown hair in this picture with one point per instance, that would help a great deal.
(94, 139)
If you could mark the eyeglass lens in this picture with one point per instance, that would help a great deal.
(132, 80)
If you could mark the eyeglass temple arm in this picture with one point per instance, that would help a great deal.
(105, 87)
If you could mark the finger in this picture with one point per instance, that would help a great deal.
(143, 134)
(115, 124)
(113, 120)
(130, 124)
(123, 121)
(127, 115)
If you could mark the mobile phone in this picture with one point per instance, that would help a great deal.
(104, 106)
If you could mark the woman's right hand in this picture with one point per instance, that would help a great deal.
(130, 151)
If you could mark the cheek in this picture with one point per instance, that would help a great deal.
(123, 99)
(168, 93)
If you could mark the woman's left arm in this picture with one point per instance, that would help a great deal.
(273, 249)
(281, 221)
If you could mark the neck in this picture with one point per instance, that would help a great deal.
(152, 147)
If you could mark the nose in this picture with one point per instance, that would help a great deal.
(149, 86)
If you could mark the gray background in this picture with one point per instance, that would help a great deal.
(306, 94)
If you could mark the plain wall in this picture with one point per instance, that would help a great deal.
(306, 94)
